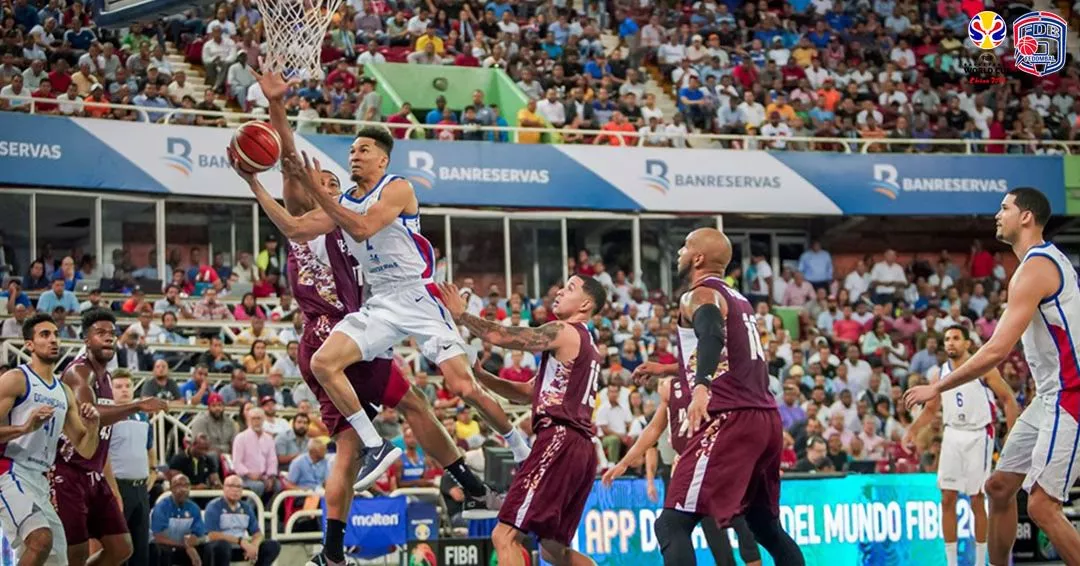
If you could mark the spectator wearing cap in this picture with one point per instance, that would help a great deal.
(429, 36)
(253, 455)
(274, 424)
(233, 530)
(291, 443)
(57, 296)
(96, 105)
(219, 429)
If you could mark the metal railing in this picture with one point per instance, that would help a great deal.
(695, 140)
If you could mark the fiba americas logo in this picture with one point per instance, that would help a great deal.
(657, 178)
(889, 184)
(422, 170)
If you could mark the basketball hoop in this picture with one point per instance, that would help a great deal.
(294, 35)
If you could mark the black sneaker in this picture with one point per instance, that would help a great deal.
(376, 462)
(483, 507)
(320, 559)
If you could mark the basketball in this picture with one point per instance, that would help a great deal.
(256, 146)
(1027, 46)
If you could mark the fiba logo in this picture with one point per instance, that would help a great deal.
(885, 177)
(178, 155)
(421, 169)
(655, 178)
(987, 30)
(1039, 40)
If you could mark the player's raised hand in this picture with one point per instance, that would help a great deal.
(152, 405)
(919, 394)
(246, 176)
(453, 300)
(908, 440)
(698, 412)
(612, 474)
(89, 412)
(313, 169)
(273, 85)
(38, 417)
(645, 371)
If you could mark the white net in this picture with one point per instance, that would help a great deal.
(294, 35)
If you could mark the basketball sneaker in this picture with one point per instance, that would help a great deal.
(320, 559)
(376, 462)
(483, 507)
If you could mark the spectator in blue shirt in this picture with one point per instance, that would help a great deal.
(437, 114)
(14, 295)
(178, 529)
(233, 529)
(816, 266)
(820, 36)
(150, 98)
(497, 120)
(309, 470)
(196, 391)
(499, 8)
(25, 14)
(692, 103)
(57, 297)
(79, 37)
(597, 68)
(627, 27)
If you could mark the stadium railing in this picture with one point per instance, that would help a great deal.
(748, 142)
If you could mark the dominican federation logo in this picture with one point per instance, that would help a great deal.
(655, 178)
(1039, 39)
(987, 30)
(178, 155)
(421, 169)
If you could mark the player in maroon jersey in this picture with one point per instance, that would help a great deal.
(323, 279)
(549, 490)
(731, 464)
(81, 487)
(671, 414)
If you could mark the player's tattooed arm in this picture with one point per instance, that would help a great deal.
(539, 339)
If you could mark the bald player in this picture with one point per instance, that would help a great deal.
(731, 464)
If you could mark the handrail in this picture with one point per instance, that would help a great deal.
(747, 141)
(260, 509)
(162, 446)
(285, 534)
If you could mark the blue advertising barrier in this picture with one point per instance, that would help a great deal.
(187, 160)
(854, 521)
(376, 525)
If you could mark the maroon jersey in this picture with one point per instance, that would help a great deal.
(678, 404)
(101, 385)
(742, 378)
(322, 274)
(566, 392)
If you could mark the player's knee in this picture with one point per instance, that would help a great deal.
(39, 542)
(998, 488)
(412, 402)
(462, 386)
(671, 525)
(323, 366)
(948, 499)
(119, 549)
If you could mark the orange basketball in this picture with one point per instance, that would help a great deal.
(256, 146)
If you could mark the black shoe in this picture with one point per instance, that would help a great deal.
(482, 507)
(320, 559)
(376, 462)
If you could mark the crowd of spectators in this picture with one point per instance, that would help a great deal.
(859, 70)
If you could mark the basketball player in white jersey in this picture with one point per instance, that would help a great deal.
(967, 449)
(34, 404)
(1041, 451)
(380, 217)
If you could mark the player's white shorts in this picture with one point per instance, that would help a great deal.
(966, 459)
(25, 506)
(413, 310)
(1042, 445)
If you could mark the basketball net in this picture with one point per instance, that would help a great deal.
(294, 35)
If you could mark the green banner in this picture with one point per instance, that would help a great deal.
(1072, 185)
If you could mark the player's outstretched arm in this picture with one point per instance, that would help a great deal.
(1037, 278)
(77, 377)
(648, 438)
(274, 87)
(1005, 396)
(295, 228)
(397, 195)
(928, 414)
(513, 391)
(81, 425)
(549, 336)
(12, 387)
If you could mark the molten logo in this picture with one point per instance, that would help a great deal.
(987, 30)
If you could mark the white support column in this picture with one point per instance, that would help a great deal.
(720, 222)
(159, 238)
(33, 233)
(255, 230)
(99, 247)
(507, 256)
(535, 262)
(449, 249)
(565, 250)
(635, 243)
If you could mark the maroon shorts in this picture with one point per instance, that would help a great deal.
(378, 382)
(731, 466)
(85, 503)
(549, 490)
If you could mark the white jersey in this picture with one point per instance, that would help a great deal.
(395, 256)
(968, 407)
(1050, 347)
(35, 451)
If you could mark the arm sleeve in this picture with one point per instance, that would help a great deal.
(711, 335)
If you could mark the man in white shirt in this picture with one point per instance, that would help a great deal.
(508, 25)
(418, 24)
(551, 109)
(902, 55)
(939, 279)
(775, 128)
(372, 55)
(70, 104)
(671, 53)
(676, 132)
(287, 365)
(180, 87)
(817, 74)
(857, 282)
(753, 111)
(14, 89)
(217, 54)
(887, 278)
(1039, 100)
(858, 370)
(222, 22)
(614, 420)
(982, 115)
(761, 275)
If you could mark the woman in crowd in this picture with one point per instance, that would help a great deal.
(247, 309)
(257, 362)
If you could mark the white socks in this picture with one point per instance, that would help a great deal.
(517, 444)
(980, 554)
(950, 554)
(362, 425)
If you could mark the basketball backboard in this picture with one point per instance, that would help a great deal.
(111, 14)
